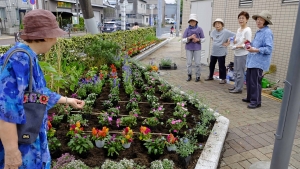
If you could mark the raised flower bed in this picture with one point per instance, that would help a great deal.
(138, 109)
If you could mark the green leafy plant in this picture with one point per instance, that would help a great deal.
(177, 98)
(53, 143)
(165, 62)
(164, 164)
(80, 144)
(128, 121)
(132, 104)
(135, 95)
(105, 119)
(75, 118)
(115, 111)
(56, 119)
(152, 99)
(157, 112)
(76, 164)
(186, 147)
(181, 110)
(155, 146)
(122, 164)
(163, 87)
(107, 104)
(152, 121)
(176, 125)
(114, 145)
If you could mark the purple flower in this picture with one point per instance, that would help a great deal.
(32, 97)
(74, 95)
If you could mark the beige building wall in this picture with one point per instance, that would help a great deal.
(283, 18)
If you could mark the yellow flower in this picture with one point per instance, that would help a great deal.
(122, 141)
(127, 137)
(78, 124)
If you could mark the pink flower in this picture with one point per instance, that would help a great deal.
(135, 115)
(182, 104)
(173, 122)
(184, 115)
(175, 131)
(159, 108)
(118, 122)
(109, 118)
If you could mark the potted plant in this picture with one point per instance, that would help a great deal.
(185, 147)
(105, 119)
(171, 142)
(152, 99)
(181, 111)
(157, 112)
(81, 145)
(99, 136)
(155, 146)
(113, 146)
(63, 160)
(127, 137)
(152, 122)
(165, 63)
(132, 104)
(75, 129)
(128, 121)
(145, 133)
(54, 147)
(176, 125)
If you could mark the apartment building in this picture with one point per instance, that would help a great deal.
(283, 12)
(12, 11)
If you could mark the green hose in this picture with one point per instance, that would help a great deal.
(278, 93)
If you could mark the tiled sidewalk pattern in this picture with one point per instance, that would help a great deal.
(251, 132)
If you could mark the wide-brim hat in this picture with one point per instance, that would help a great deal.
(40, 24)
(266, 15)
(218, 20)
(193, 17)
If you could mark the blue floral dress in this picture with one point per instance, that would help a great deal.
(14, 80)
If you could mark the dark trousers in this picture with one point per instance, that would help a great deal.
(253, 80)
(222, 68)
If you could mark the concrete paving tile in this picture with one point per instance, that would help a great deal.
(266, 149)
(267, 138)
(259, 155)
(225, 167)
(244, 144)
(253, 142)
(229, 152)
(236, 166)
(247, 155)
(238, 148)
(253, 160)
(233, 159)
(261, 141)
(245, 164)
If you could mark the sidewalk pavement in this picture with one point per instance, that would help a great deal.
(250, 135)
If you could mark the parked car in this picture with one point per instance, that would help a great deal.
(170, 21)
(113, 26)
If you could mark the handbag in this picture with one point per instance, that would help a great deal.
(34, 105)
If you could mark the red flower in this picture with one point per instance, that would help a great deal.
(25, 99)
(44, 99)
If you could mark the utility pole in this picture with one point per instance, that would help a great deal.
(159, 19)
(88, 15)
(290, 107)
(178, 18)
(123, 15)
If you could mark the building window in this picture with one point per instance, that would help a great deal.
(245, 3)
(146, 20)
(289, 1)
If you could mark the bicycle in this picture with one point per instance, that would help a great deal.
(18, 37)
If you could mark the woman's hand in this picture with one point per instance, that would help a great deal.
(13, 159)
(226, 43)
(252, 49)
(75, 103)
(195, 40)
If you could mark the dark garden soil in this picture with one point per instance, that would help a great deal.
(137, 151)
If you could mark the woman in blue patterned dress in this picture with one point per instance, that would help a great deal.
(40, 34)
